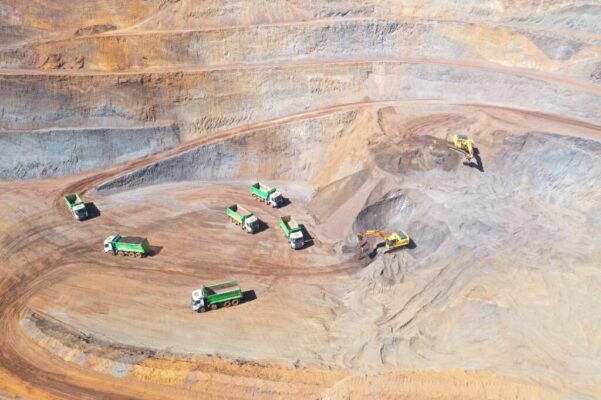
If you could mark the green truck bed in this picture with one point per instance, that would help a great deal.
(73, 199)
(126, 245)
(262, 190)
(132, 243)
(289, 225)
(222, 292)
(238, 213)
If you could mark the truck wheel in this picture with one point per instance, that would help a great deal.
(227, 304)
(202, 309)
(235, 302)
(114, 253)
(121, 253)
(214, 306)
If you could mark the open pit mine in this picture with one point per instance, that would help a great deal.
(269, 199)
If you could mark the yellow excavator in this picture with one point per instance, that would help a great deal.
(392, 240)
(464, 145)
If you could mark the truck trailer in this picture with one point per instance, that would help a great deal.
(267, 194)
(292, 231)
(223, 294)
(242, 217)
(126, 245)
(76, 206)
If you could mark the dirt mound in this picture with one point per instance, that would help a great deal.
(57, 61)
(95, 29)
(417, 154)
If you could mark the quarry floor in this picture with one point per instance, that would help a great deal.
(469, 311)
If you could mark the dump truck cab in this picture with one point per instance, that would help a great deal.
(80, 211)
(297, 240)
(251, 224)
(276, 199)
(109, 243)
(198, 300)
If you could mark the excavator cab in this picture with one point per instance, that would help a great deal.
(464, 145)
(397, 239)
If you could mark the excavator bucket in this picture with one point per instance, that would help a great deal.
(363, 247)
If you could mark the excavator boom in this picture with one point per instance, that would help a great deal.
(372, 233)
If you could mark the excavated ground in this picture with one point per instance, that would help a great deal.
(485, 276)
(162, 113)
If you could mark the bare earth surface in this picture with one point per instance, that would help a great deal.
(162, 113)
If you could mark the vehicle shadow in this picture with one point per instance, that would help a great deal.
(154, 251)
(263, 226)
(285, 202)
(92, 210)
(248, 295)
(372, 254)
(478, 164)
(309, 240)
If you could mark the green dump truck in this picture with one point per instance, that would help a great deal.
(76, 206)
(267, 194)
(223, 294)
(126, 245)
(241, 216)
(292, 231)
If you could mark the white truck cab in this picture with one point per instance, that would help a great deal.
(297, 240)
(80, 211)
(251, 224)
(276, 199)
(108, 243)
(198, 300)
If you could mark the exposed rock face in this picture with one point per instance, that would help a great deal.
(221, 65)
(58, 152)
